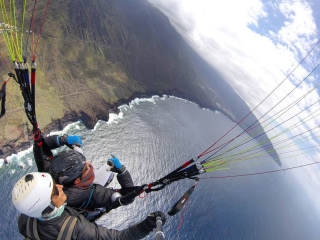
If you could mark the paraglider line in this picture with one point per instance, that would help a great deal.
(5, 63)
(259, 173)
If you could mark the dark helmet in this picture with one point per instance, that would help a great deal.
(67, 166)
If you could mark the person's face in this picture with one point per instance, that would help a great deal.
(58, 196)
(85, 172)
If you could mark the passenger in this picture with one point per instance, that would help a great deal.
(71, 169)
(44, 214)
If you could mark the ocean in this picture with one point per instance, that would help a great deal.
(154, 136)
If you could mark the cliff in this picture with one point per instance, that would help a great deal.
(96, 55)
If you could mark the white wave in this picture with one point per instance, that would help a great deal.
(75, 127)
(69, 128)
(98, 124)
(55, 133)
(184, 100)
(137, 101)
(19, 159)
(12, 171)
(20, 155)
(193, 103)
(30, 162)
(22, 165)
(153, 100)
(113, 118)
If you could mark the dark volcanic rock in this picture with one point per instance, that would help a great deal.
(96, 55)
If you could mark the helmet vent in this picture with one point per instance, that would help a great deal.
(28, 177)
(68, 168)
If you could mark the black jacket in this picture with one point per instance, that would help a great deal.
(83, 229)
(101, 196)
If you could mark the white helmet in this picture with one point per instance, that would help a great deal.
(32, 193)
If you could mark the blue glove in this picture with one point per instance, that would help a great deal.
(74, 140)
(69, 140)
(115, 162)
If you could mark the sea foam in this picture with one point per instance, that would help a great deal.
(25, 158)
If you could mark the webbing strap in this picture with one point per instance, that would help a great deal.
(64, 234)
(28, 228)
(3, 102)
(34, 234)
(35, 230)
(67, 228)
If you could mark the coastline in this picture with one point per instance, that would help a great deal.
(114, 108)
(72, 117)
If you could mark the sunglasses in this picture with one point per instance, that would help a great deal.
(55, 191)
(85, 168)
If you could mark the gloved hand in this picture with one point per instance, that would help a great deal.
(117, 197)
(151, 221)
(116, 165)
(69, 140)
(115, 162)
(126, 202)
(74, 140)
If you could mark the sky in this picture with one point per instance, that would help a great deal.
(254, 45)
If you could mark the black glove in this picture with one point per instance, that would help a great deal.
(151, 221)
(125, 201)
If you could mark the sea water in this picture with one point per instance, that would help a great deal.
(154, 136)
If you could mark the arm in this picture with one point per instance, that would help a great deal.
(42, 152)
(41, 157)
(124, 177)
(86, 230)
(52, 141)
(55, 141)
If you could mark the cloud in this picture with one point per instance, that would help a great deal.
(254, 45)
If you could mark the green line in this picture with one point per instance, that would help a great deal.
(212, 169)
(261, 128)
(22, 28)
(261, 143)
(13, 37)
(5, 32)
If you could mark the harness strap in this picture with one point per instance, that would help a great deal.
(28, 228)
(64, 234)
(67, 228)
(3, 99)
(35, 229)
(34, 233)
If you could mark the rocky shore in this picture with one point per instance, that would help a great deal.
(97, 55)
(89, 120)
